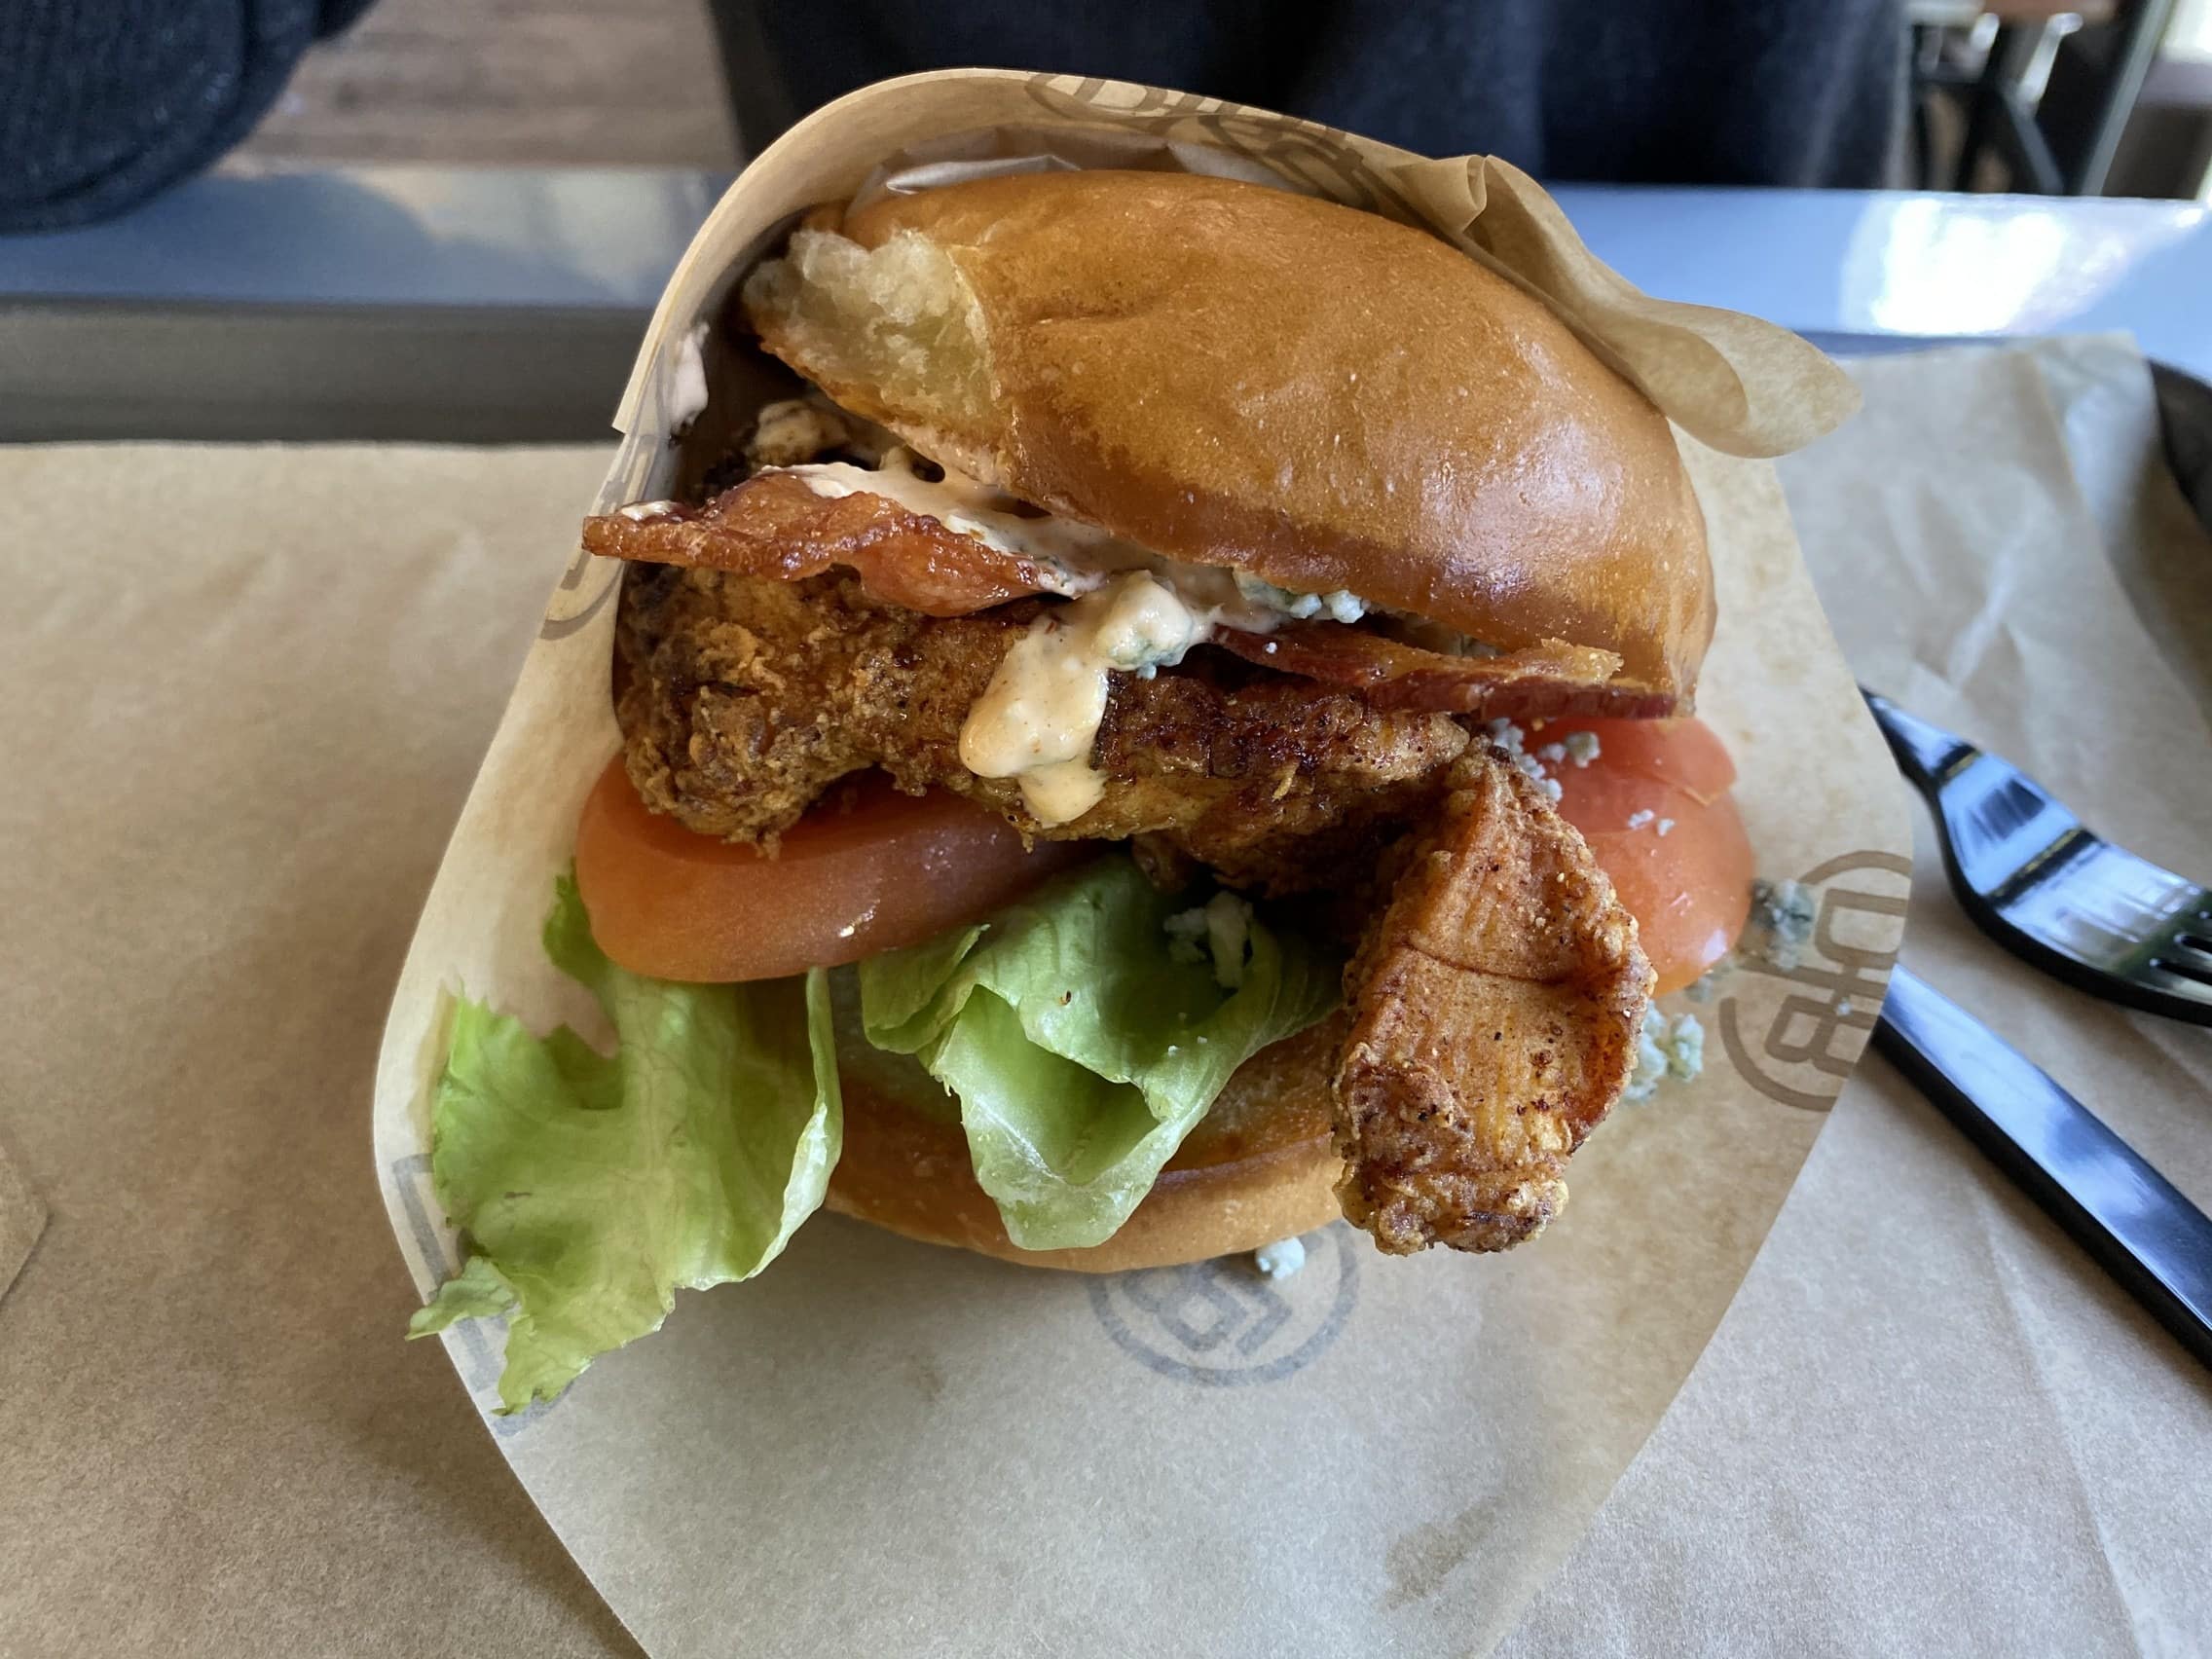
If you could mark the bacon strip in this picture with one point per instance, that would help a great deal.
(1553, 677)
(773, 525)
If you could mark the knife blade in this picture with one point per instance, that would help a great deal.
(2127, 1216)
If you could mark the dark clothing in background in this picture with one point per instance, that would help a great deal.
(105, 103)
(1708, 91)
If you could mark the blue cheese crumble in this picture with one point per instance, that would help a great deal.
(1784, 912)
(1220, 928)
(1341, 606)
(1280, 1260)
(1504, 734)
(1664, 1049)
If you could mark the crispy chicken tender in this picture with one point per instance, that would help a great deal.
(742, 699)
(1494, 1009)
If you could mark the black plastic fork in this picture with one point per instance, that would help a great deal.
(2036, 881)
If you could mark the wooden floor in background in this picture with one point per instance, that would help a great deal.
(558, 83)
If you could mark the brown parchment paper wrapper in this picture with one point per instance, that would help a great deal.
(1928, 1422)
(22, 1218)
(880, 1445)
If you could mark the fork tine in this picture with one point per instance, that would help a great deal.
(2042, 885)
(2192, 950)
(2159, 976)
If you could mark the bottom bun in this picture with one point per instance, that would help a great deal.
(1260, 1166)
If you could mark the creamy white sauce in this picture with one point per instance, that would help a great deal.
(1075, 558)
(1079, 554)
(683, 398)
(1037, 719)
(1135, 610)
(1062, 792)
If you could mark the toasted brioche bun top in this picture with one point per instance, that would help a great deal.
(1240, 376)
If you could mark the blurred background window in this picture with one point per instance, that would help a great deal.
(583, 83)
(2063, 96)
(105, 103)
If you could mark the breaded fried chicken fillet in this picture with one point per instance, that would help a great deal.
(745, 698)
(1494, 1005)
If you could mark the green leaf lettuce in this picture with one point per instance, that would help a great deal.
(593, 1186)
(1084, 1037)
(1083, 1031)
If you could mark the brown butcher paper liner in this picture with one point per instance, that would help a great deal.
(880, 1445)
(22, 1218)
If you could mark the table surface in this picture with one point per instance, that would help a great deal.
(1850, 262)
(1711, 1537)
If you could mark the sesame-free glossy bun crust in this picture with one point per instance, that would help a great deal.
(1237, 375)
(1260, 1166)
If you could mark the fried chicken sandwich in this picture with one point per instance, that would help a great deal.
(1149, 643)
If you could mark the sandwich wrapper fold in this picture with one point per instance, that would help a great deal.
(880, 1444)
(22, 1218)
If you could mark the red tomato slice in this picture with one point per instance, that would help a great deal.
(1689, 889)
(867, 871)
(1680, 752)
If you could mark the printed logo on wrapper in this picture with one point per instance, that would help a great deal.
(1222, 1324)
(477, 1347)
(584, 588)
(1800, 1051)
